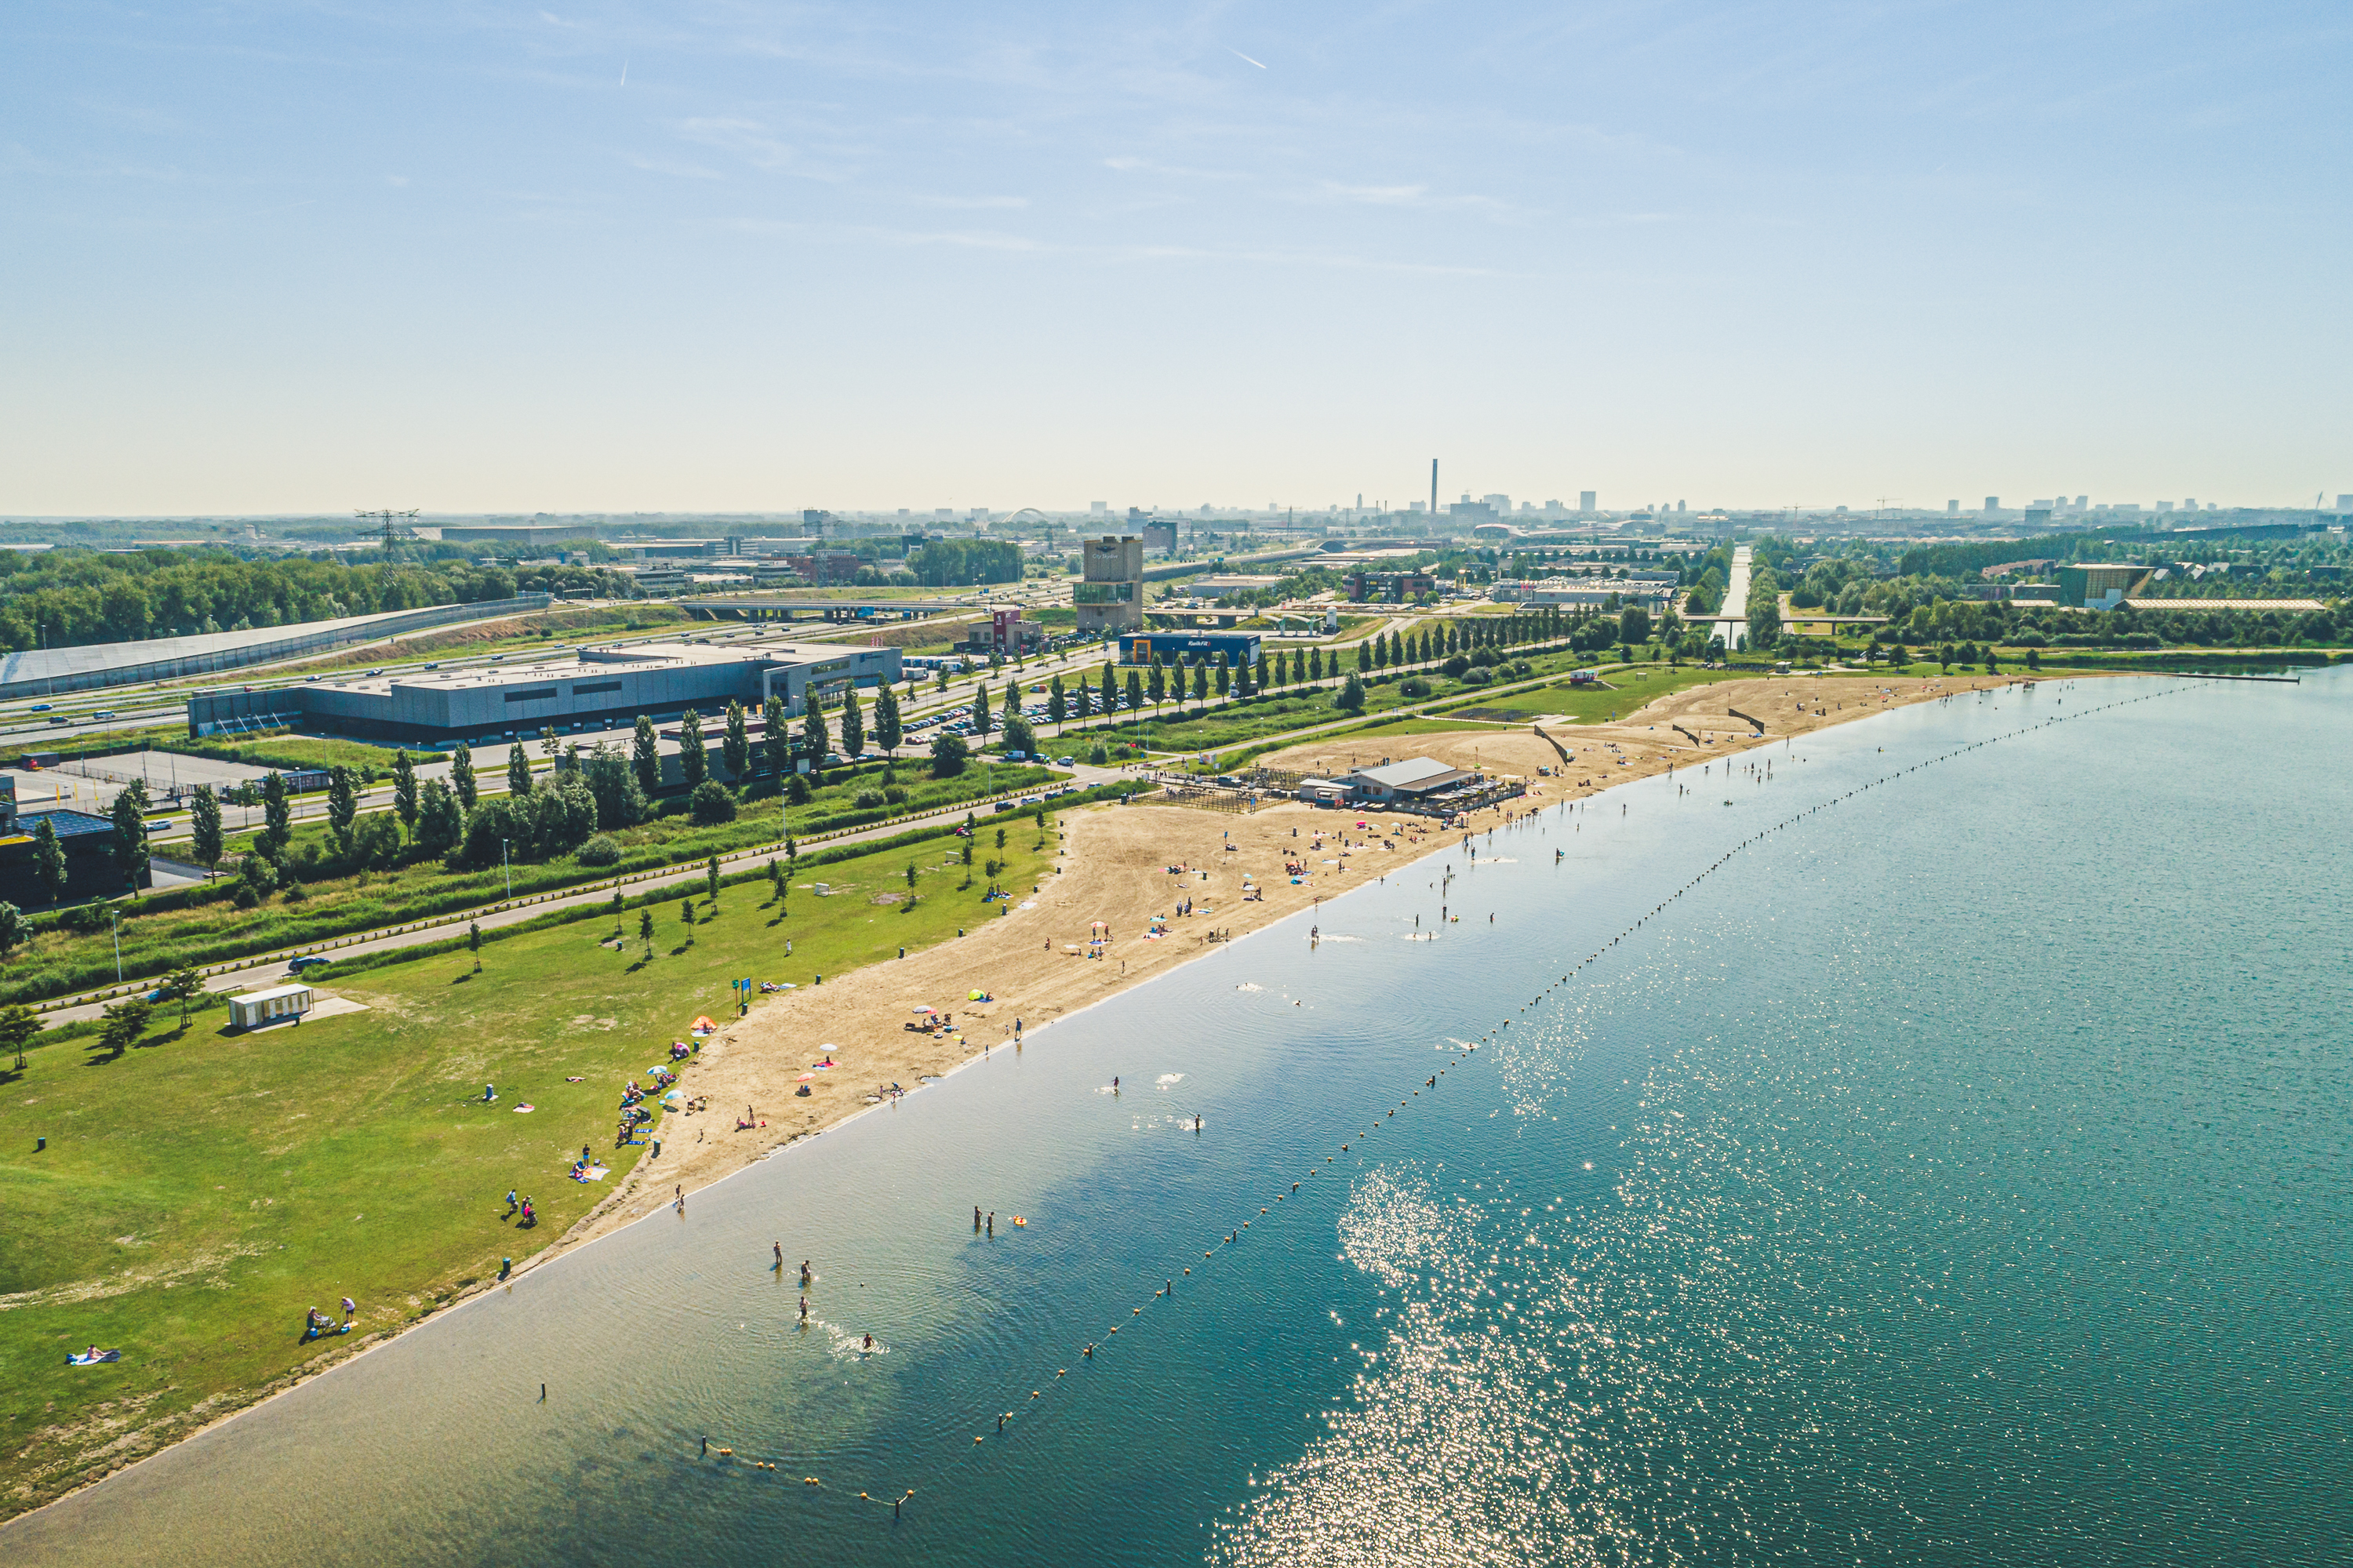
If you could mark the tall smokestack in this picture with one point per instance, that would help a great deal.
(1433, 487)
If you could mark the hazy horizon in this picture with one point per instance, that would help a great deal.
(274, 260)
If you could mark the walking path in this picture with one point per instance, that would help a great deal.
(1736, 602)
(244, 973)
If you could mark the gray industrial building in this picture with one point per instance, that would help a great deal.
(48, 672)
(601, 687)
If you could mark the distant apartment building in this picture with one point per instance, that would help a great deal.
(1584, 501)
(1109, 595)
(1388, 587)
(1993, 504)
(828, 566)
(1006, 633)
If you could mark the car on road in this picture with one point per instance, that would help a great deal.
(102, 714)
(60, 718)
(304, 963)
(1066, 762)
(39, 708)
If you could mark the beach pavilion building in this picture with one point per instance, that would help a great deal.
(1409, 782)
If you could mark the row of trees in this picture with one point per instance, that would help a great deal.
(959, 563)
(65, 598)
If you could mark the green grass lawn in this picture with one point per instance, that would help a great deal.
(201, 1190)
(1629, 687)
(159, 932)
(289, 751)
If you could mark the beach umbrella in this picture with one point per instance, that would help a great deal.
(927, 1007)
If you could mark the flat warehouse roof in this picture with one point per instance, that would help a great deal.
(593, 666)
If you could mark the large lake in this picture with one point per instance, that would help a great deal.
(1958, 1174)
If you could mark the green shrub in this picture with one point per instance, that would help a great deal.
(599, 851)
(711, 803)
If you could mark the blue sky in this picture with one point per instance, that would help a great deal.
(261, 256)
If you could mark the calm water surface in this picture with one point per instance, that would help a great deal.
(1958, 1174)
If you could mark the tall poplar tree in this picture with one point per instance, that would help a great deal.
(853, 725)
(736, 743)
(204, 822)
(645, 756)
(814, 738)
(777, 735)
(693, 762)
(403, 790)
(461, 776)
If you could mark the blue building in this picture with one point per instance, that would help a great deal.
(1190, 647)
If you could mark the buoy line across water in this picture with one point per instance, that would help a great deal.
(1232, 1237)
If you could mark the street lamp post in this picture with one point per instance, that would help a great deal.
(114, 923)
(505, 869)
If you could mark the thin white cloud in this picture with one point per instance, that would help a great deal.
(672, 167)
(971, 204)
(984, 239)
(1126, 165)
(746, 139)
(1418, 196)
(1378, 195)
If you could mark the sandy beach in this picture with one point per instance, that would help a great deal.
(1131, 866)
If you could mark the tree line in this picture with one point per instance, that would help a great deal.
(70, 598)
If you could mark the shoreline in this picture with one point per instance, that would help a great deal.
(1112, 851)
